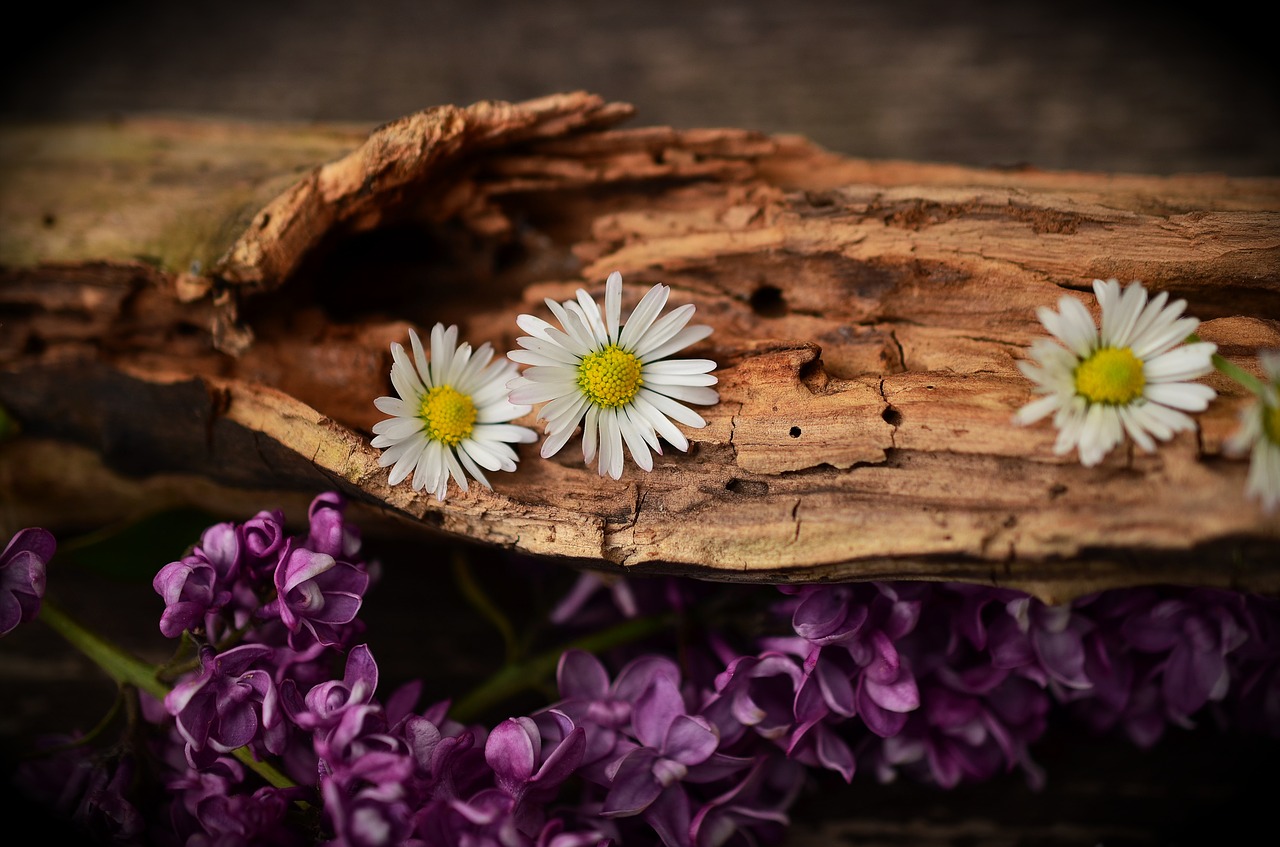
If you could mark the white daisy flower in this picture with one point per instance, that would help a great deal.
(1132, 377)
(611, 377)
(1259, 436)
(452, 415)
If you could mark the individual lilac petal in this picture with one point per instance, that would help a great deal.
(563, 760)
(512, 751)
(580, 675)
(670, 817)
(634, 787)
(328, 530)
(690, 740)
(833, 753)
(837, 687)
(883, 722)
(900, 695)
(824, 612)
(885, 663)
(637, 675)
(1192, 677)
(655, 711)
(1062, 656)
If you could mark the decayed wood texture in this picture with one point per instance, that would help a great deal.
(212, 304)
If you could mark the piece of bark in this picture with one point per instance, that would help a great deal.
(868, 317)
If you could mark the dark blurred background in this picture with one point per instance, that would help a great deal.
(1077, 85)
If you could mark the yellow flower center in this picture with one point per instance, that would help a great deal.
(449, 415)
(1271, 423)
(610, 377)
(1111, 375)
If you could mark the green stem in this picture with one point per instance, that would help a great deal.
(528, 674)
(127, 670)
(1248, 380)
(118, 664)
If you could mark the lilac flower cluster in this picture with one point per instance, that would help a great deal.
(940, 683)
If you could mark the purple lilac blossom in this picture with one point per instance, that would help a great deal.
(941, 683)
(22, 576)
(317, 596)
(229, 704)
(529, 772)
(603, 708)
(675, 747)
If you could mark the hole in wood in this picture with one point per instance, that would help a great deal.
(767, 302)
(891, 416)
(747, 487)
(795, 432)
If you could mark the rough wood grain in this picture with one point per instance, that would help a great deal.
(868, 316)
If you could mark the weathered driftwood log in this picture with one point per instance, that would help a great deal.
(196, 312)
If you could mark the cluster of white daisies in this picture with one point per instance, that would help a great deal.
(454, 411)
(1134, 376)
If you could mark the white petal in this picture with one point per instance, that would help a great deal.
(1070, 423)
(398, 429)
(1154, 343)
(406, 462)
(532, 393)
(533, 325)
(1120, 314)
(546, 349)
(393, 454)
(658, 381)
(474, 470)
(1181, 363)
(443, 343)
(555, 441)
(679, 366)
(643, 316)
(1101, 432)
(634, 440)
(590, 433)
(421, 369)
(504, 432)
(661, 424)
(1144, 416)
(695, 394)
(684, 338)
(455, 469)
(677, 412)
(612, 306)
(1188, 396)
(1071, 324)
(586, 308)
(474, 374)
(1037, 409)
(564, 411)
(391, 406)
(1133, 425)
(430, 468)
(662, 331)
(404, 377)
(640, 425)
(483, 456)
(611, 456)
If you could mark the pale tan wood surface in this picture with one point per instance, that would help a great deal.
(247, 281)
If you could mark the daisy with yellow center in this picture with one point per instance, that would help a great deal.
(611, 377)
(452, 416)
(1259, 435)
(1132, 377)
